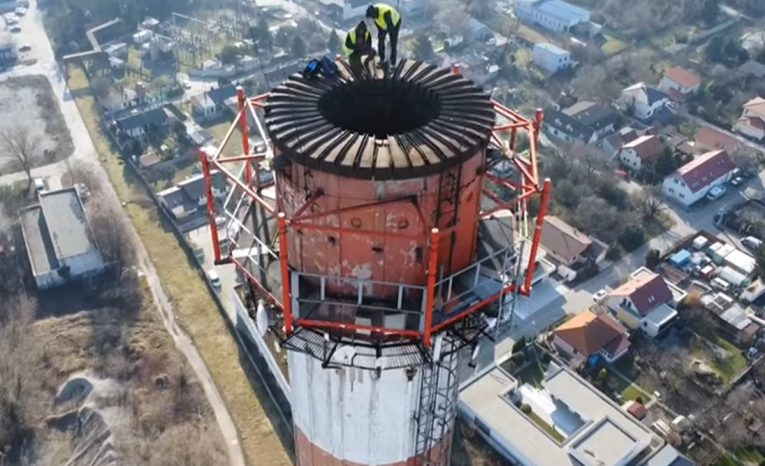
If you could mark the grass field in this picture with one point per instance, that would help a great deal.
(546, 427)
(613, 46)
(732, 366)
(632, 392)
(191, 299)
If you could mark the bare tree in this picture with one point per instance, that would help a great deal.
(22, 146)
(85, 174)
(648, 203)
(110, 234)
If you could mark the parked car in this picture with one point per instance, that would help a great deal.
(15, 29)
(20, 11)
(716, 192)
(214, 278)
(751, 242)
(25, 48)
(599, 295)
(737, 181)
(39, 185)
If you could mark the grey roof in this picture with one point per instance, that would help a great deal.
(668, 456)
(562, 10)
(568, 125)
(194, 187)
(653, 95)
(157, 116)
(593, 115)
(38, 242)
(220, 94)
(552, 48)
(66, 221)
(625, 437)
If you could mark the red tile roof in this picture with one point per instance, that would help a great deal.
(589, 333)
(638, 410)
(754, 122)
(647, 147)
(712, 139)
(756, 105)
(706, 168)
(646, 291)
(683, 77)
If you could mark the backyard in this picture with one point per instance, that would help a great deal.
(42, 128)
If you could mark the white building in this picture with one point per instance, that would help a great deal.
(551, 58)
(555, 15)
(691, 182)
(642, 101)
(58, 240)
(645, 301)
(752, 121)
(636, 153)
(680, 83)
(591, 430)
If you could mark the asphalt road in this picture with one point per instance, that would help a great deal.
(34, 33)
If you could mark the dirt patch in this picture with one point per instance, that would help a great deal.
(28, 103)
(100, 384)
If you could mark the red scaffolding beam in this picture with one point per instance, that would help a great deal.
(510, 123)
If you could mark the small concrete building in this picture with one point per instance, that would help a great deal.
(58, 239)
(551, 58)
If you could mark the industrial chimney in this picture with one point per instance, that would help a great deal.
(378, 243)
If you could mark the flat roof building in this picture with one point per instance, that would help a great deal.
(58, 239)
(589, 429)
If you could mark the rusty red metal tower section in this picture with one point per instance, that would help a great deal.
(382, 219)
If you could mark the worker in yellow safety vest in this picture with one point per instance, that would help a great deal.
(358, 43)
(388, 22)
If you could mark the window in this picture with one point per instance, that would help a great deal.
(682, 196)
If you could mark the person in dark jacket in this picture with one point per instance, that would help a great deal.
(358, 42)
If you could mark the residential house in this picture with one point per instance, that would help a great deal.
(551, 58)
(644, 102)
(584, 122)
(589, 334)
(646, 301)
(58, 240)
(691, 182)
(149, 159)
(614, 143)
(708, 139)
(679, 144)
(600, 118)
(679, 83)
(591, 429)
(211, 103)
(570, 249)
(137, 124)
(752, 121)
(565, 128)
(555, 15)
(187, 199)
(635, 154)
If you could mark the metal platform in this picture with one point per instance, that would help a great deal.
(420, 120)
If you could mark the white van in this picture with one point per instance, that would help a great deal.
(214, 278)
(720, 284)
